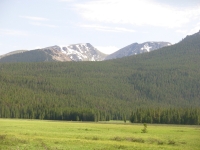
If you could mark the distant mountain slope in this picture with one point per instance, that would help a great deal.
(28, 56)
(136, 48)
(75, 52)
(13, 52)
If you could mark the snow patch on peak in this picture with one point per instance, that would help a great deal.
(63, 46)
(83, 45)
(64, 52)
(146, 47)
(93, 58)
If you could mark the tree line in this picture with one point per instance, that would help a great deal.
(189, 116)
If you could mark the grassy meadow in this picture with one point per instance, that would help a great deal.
(60, 135)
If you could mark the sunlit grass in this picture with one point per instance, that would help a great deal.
(36, 134)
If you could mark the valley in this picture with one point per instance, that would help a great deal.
(99, 75)
(35, 134)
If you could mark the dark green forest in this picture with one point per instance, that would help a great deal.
(162, 86)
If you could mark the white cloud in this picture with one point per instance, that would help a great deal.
(142, 12)
(38, 21)
(43, 25)
(13, 32)
(34, 18)
(107, 49)
(194, 29)
(191, 31)
(181, 31)
(107, 29)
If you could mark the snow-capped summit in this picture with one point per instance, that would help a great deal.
(83, 52)
(78, 52)
(136, 48)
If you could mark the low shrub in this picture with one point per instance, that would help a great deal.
(160, 142)
(2, 137)
(117, 138)
(95, 138)
(144, 130)
(138, 140)
(171, 142)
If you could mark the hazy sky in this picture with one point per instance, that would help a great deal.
(107, 24)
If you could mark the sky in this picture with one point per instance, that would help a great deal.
(108, 25)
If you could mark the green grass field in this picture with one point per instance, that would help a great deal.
(59, 135)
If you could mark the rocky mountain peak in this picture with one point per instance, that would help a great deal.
(136, 48)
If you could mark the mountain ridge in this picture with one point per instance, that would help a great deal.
(73, 52)
(136, 48)
(78, 52)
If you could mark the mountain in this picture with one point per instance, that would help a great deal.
(78, 52)
(167, 78)
(136, 48)
(75, 52)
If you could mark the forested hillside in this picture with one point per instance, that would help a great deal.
(166, 80)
